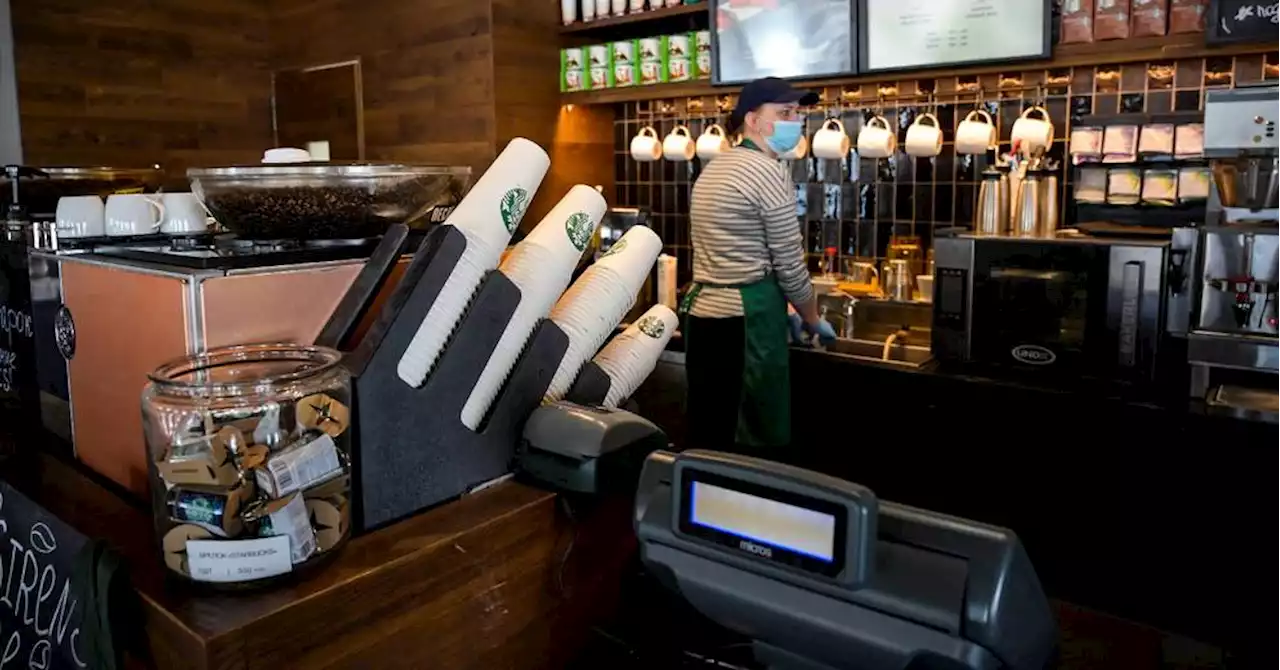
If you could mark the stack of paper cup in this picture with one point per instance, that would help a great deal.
(487, 216)
(630, 357)
(541, 267)
(592, 308)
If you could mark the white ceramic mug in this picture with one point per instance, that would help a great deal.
(876, 139)
(80, 216)
(679, 146)
(712, 142)
(1031, 133)
(976, 133)
(133, 214)
(924, 141)
(799, 151)
(588, 10)
(183, 214)
(831, 142)
(645, 146)
(602, 9)
(637, 6)
(569, 11)
(619, 7)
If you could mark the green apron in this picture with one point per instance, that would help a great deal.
(764, 409)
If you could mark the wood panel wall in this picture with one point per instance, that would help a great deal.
(188, 82)
(427, 67)
(137, 82)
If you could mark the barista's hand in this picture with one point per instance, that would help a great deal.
(823, 331)
(795, 328)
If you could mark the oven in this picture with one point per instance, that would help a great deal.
(1088, 308)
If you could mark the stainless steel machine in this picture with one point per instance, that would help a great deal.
(1223, 288)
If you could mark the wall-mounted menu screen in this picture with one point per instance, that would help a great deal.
(913, 34)
(781, 38)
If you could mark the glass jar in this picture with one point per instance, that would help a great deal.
(250, 453)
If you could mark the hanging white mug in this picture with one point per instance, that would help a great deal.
(799, 151)
(678, 146)
(976, 133)
(877, 140)
(1032, 133)
(831, 142)
(924, 141)
(712, 143)
(645, 146)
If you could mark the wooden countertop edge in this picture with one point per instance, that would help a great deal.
(217, 623)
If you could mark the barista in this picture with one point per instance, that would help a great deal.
(748, 263)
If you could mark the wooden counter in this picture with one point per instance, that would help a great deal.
(500, 579)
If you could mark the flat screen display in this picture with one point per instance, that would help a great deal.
(913, 34)
(781, 38)
(778, 526)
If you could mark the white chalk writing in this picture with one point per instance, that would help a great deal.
(27, 590)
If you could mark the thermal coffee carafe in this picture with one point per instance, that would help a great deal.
(991, 217)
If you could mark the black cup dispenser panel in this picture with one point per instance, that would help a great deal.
(820, 575)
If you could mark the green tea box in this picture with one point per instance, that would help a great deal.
(572, 70)
(680, 61)
(600, 66)
(625, 66)
(653, 59)
(702, 47)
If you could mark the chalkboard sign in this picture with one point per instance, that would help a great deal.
(40, 608)
(1235, 21)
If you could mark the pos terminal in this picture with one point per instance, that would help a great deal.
(820, 575)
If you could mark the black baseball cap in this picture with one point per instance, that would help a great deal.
(764, 91)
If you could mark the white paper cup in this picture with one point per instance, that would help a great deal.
(924, 140)
(645, 146)
(1033, 133)
(594, 305)
(568, 11)
(712, 142)
(831, 141)
(876, 139)
(679, 146)
(487, 216)
(540, 267)
(976, 133)
(629, 358)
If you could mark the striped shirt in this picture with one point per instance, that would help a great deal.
(743, 225)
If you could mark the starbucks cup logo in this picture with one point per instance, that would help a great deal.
(512, 207)
(578, 228)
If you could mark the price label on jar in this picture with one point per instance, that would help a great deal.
(238, 560)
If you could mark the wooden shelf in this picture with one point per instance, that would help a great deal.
(603, 25)
(1139, 49)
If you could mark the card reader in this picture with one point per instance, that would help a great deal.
(582, 449)
(823, 576)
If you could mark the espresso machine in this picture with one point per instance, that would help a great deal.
(1223, 281)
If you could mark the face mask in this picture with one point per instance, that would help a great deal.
(785, 137)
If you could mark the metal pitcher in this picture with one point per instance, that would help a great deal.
(991, 216)
(1028, 212)
(898, 280)
(1048, 226)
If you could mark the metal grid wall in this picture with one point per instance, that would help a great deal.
(856, 205)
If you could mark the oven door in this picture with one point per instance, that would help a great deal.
(1041, 307)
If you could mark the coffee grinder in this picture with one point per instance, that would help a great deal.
(1223, 281)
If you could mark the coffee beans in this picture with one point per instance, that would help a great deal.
(330, 211)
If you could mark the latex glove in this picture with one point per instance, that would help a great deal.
(823, 330)
(795, 328)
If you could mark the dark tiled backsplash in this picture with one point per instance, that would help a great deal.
(856, 205)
